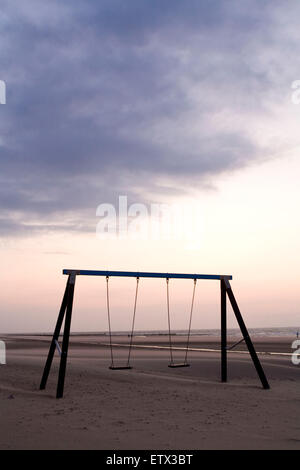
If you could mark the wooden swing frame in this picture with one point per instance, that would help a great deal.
(67, 307)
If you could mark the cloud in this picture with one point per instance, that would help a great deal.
(137, 98)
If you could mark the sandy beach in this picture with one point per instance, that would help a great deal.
(150, 406)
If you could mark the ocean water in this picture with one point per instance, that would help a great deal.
(264, 332)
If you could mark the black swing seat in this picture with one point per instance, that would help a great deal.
(119, 367)
(180, 364)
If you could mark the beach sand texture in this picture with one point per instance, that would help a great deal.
(150, 406)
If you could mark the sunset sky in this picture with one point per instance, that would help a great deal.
(176, 103)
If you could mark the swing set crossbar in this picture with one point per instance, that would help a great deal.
(84, 272)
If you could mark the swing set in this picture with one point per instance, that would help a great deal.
(66, 312)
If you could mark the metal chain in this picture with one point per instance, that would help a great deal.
(108, 316)
(169, 322)
(133, 319)
(190, 323)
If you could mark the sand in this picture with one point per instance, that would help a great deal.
(150, 406)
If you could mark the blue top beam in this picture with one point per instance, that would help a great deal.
(84, 272)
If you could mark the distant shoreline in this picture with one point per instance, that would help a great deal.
(265, 332)
(198, 342)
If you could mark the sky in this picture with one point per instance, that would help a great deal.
(186, 104)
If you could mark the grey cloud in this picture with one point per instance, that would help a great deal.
(108, 98)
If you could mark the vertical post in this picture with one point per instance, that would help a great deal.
(55, 338)
(223, 333)
(65, 344)
(246, 336)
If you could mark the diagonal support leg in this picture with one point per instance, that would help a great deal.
(246, 336)
(223, 333)
(55, 338)
(65, 344)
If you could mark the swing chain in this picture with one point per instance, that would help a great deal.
(133, 319)
(109, 325)
(190, 322)
(169, 321)
(189, 328)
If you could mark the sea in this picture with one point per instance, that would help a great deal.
(263, 332)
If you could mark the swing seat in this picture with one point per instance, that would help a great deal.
(172, 364)
(127, 366)
(119, 367)
(179, 364)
